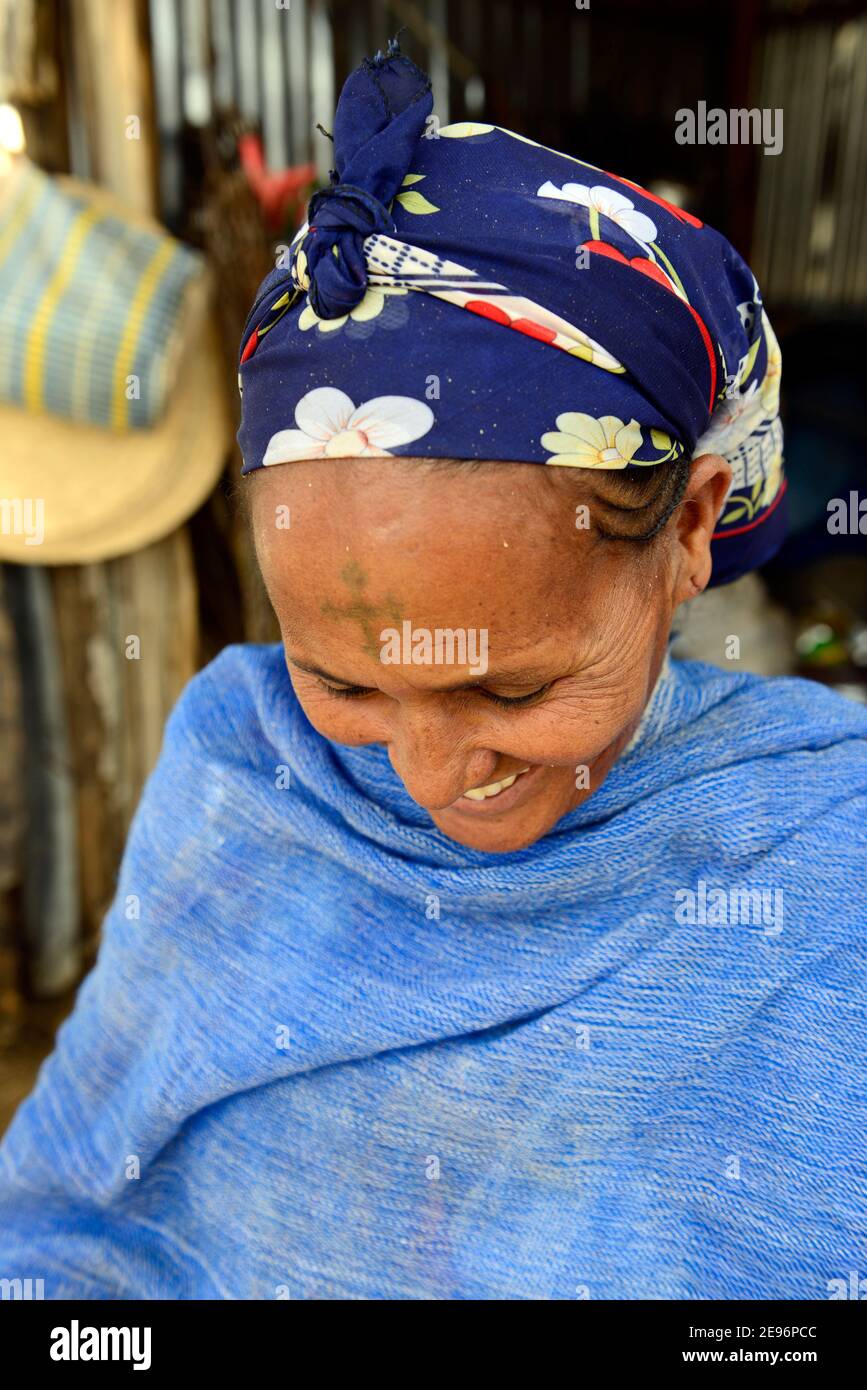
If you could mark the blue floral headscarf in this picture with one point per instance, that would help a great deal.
(602, 327)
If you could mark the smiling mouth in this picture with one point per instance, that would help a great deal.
(493, 788)
(496, 799)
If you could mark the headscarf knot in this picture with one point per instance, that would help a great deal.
(379, 121)
(332, 268)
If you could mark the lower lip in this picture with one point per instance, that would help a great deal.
(503, 801)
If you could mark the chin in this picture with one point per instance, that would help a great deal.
(522, 827)
(515, 832)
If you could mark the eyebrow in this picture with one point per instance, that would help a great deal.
(505, 678)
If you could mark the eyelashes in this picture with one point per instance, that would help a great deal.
(519, 700)
(344, 692)
(358, 692)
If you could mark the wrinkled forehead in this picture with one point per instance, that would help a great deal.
(420, 502)
(499, 540)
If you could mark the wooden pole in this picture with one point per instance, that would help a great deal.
(117, 706)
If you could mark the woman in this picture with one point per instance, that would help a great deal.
(489, 954)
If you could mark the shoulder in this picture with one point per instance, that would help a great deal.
(756, 765)
(225, 703)
(209, 795)
(768, 715)
(796, 773)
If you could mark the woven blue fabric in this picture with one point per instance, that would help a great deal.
(352, 1058)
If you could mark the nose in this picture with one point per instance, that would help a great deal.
(431, 752)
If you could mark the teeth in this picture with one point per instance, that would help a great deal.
(493, 788)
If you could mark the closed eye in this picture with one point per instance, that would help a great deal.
(346, 692)
(516, 700)
(356, 692)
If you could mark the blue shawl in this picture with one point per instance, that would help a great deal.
(327, 1052)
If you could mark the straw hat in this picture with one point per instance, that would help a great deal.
(71, 493)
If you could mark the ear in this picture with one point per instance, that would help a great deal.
(709, 481)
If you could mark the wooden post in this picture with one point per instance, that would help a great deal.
(116, 706)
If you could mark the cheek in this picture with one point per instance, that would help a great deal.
(574, 729)
(590, 712)
(342, 721)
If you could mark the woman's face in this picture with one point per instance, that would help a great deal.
(550, 637)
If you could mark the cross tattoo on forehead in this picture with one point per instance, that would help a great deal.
(369, 615)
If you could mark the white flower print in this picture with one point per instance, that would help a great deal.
(364, 311)
(609, 204)
(331, 426)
